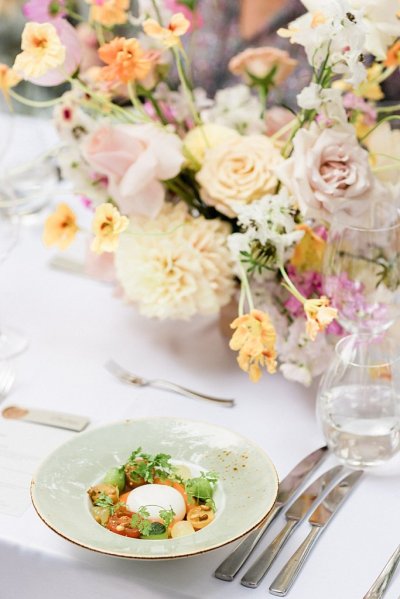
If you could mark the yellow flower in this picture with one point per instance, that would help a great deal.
(42, 50)
(107, 226)
(362, 126)
(309, 252)
(60, 228)
(8, 79)
(169, 35)
(254, 339)
(200, 139)
(109, 12)
(370, 87)
(319, 315)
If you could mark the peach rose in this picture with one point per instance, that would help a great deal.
(259, 62)
(240, 170)
(135, 159)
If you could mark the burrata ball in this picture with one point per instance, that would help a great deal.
(155, 498)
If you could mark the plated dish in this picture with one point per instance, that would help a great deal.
(240, 489)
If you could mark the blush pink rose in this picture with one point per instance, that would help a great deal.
(329, 173)
(135, 159)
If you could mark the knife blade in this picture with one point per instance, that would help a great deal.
(228, 569)
(294, 515)
(319, 520)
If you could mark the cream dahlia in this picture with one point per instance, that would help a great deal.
(175, 266)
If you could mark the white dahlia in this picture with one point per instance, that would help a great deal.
(175, 266)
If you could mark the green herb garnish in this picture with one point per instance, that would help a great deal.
(150, 467)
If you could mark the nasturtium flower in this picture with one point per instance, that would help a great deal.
(393, 56)
(108, 12)
(255, 340)
(170, 35)
(309, 252)
(107, 226)
(42, 50)
(8, 79)
(125, 59)
(319, 315)
(60, 227)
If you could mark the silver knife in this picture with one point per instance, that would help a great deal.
(294, 515)
(319, 519)
(381, 584)
(228, 569)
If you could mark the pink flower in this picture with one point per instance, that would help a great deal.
(135, 159)
(276, 118)
(328, 173)
(43, 11)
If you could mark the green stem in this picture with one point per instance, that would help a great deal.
(136, 102)
(100, 34)
(157, 11)
(290, 286)
(386, 118)
(241, 301)
(262, 94)
(186, 88)
(388, 108)
(34, 103)
(246, 286)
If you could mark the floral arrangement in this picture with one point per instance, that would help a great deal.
(198, 197)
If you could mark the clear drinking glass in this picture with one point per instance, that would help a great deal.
(362, 271)
(12, 341)
(358, 402)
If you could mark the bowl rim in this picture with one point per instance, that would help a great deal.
(136, 556)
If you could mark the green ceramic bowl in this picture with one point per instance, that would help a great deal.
(246, 492)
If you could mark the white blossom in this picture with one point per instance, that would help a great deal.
(236, 107)
(267, 220)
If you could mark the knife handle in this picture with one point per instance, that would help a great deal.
(258, 570)
(290, 571)
(228, 569)
(382, 582)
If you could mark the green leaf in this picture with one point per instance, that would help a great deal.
(167, 516)
(190, 4)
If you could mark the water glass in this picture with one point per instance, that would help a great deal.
(358, 402)
(362, 271)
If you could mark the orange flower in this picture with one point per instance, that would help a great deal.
(259, 63)
(126, 59)
(309, 252)
(109, 12)
(254, 339)
(60, 228)
(319, 315)
(393, 56)
(107, 226)
(8, 79)
(169, 35)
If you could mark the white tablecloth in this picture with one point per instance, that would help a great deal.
(75, 324)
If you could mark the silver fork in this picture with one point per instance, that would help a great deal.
(7, 378)
(128, 377)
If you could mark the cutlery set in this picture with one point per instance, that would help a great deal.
(319, 503)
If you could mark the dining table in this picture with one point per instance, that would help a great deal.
(75, 323)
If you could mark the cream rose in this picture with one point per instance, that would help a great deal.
(259, 62)
(328, 173)
(240, 170)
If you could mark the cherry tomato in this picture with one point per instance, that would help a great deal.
(200, 516)
(120, 523)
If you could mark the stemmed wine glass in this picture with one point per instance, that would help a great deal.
(12, 342)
